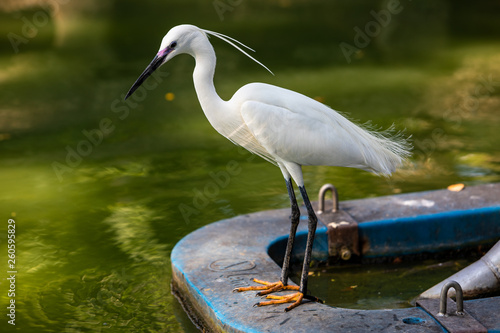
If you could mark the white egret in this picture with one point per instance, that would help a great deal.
(284, 127)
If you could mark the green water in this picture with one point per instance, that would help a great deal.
(381, 286)
(98, 188)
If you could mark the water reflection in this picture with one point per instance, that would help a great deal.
(135, 296)
(131, 226)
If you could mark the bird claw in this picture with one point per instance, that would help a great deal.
(314, 299)
(269, 288)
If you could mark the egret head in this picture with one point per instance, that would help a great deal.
(177, 41)
(188, 39)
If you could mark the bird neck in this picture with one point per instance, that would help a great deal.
(203, 78)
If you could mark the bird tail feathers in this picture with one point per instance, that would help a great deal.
(383, 151)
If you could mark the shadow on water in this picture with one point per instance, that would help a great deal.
(102, 189)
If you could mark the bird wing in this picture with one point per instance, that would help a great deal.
(299, 137)
(236, 130)
(284, 126)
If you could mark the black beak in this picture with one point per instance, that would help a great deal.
(157, 61)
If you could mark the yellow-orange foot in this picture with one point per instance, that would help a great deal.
(267, 287)
(270, 287)
(295, 299)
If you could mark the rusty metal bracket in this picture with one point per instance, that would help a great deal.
(457, 320)
(343, 237)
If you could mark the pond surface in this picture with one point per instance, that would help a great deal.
(101, 189)
(381, 286)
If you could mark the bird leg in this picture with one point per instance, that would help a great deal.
(294, 219)
(271, 287)
(312, 223)
(297, 297)
(282, 284)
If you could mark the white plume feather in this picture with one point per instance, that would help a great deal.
(230, 41)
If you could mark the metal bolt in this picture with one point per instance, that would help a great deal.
(345, 253)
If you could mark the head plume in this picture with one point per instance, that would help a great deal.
(230, 41)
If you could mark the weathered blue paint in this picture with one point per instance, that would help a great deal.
(431, 233)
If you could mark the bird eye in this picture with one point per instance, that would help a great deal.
(173, 45)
